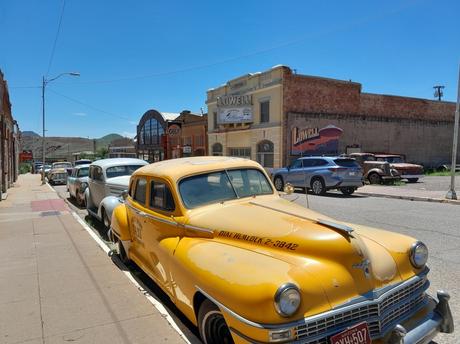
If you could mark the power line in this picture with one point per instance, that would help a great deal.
(90, 106)
(56, 38)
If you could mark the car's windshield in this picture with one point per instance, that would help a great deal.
(62, 165)
(393, 159)
(124, 170)
(369, 158)
(83, 172)
(222, 186)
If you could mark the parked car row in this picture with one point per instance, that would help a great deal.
(245, 265)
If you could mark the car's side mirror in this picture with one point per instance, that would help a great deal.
(124, 194)
(288, 188)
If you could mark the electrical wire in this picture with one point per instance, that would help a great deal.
(56, 39)
(90, 106)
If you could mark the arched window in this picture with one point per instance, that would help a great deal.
(217, 149)
(265, 153)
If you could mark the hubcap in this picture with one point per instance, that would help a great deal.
(278, 183)
(317, 187)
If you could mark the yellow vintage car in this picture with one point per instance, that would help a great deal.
(247, 266)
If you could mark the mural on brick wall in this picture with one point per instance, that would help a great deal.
(315, 141)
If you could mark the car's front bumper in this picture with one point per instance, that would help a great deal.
(420, 328)
(411, 176)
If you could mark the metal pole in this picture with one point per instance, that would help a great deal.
(43, 133)
(451, 194)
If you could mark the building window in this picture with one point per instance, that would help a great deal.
(244, 152)
(265, 112)
(151, 132)
(217, 149)
(199, 141)
(265, 153)
(214, 118)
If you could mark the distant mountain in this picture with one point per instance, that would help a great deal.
(29, 133)
(104, 141)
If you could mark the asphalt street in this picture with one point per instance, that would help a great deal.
(436, 224)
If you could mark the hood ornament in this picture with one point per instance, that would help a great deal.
(364, 265)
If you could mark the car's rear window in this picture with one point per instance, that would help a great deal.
(124, 170)
(83, 172)
(346, 162)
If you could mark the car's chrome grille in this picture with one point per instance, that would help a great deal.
(380, 314)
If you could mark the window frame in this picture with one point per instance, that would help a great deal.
(138, 179)
(151, 206)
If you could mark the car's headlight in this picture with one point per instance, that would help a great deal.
(287, 300)
(83, 186)
(418, 254)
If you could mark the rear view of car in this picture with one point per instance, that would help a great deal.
(320, 174)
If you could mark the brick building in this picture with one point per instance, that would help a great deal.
(162, 135)
(122, 148)
(9, 140)
(289, 115)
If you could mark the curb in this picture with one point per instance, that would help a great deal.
(410, 198)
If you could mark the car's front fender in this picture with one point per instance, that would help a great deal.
(108, 203)
(242, 280)
(120, 225)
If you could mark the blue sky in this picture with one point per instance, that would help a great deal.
(138, 55)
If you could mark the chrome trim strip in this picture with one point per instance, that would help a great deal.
(283, 211)
(363, 301)
(169, 222)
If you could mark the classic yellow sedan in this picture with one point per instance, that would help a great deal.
(245, 265)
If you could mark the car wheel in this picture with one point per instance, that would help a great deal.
(212, 325)
(279, 183)
(374, 178)
(122, 253)
(347, 191)
(412, 180)
(105, 219)
(317, 186)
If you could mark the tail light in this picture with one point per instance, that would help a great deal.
(337, 169)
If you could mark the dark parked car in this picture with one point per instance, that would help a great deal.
(320, 174)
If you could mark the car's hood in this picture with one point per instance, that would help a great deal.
(279, 170)
(119, 181)
(321, 246)
(405, 165)
(83, 179)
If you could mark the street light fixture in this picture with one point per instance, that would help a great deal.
(44, 83)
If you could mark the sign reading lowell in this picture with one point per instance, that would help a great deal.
(234, 109)
(315, 141)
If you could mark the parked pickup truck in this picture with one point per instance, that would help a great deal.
(107, 179)
(376, 172)
(411, 172)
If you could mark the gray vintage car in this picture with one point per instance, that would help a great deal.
(107, 179)
(77, 182)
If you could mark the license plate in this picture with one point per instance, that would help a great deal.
(358, 334)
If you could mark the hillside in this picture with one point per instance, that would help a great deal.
(29, 133)
(62, 148)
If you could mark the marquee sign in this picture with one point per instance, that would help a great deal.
(234, 109)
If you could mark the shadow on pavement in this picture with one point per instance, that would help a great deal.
(331, 194)
(188, 328)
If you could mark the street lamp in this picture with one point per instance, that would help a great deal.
(44, 83)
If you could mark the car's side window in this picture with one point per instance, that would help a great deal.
(141, 188)
(160, 196)
(321, 162)
(97, 173)
(297, 164)
(307, 162)
(131, 187)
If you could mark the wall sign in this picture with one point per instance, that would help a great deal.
(315, 141)
(174, 129)
(230, 101)
(235, 115)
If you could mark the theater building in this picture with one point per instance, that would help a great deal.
(165, 135)
(276, 116)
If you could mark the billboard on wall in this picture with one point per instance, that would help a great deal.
(235, 115)
(315, 141)
(234, 109)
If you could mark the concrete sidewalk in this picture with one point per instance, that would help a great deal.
(407, 193)
(57, 285)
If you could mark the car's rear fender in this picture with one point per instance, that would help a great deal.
(108, 204)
